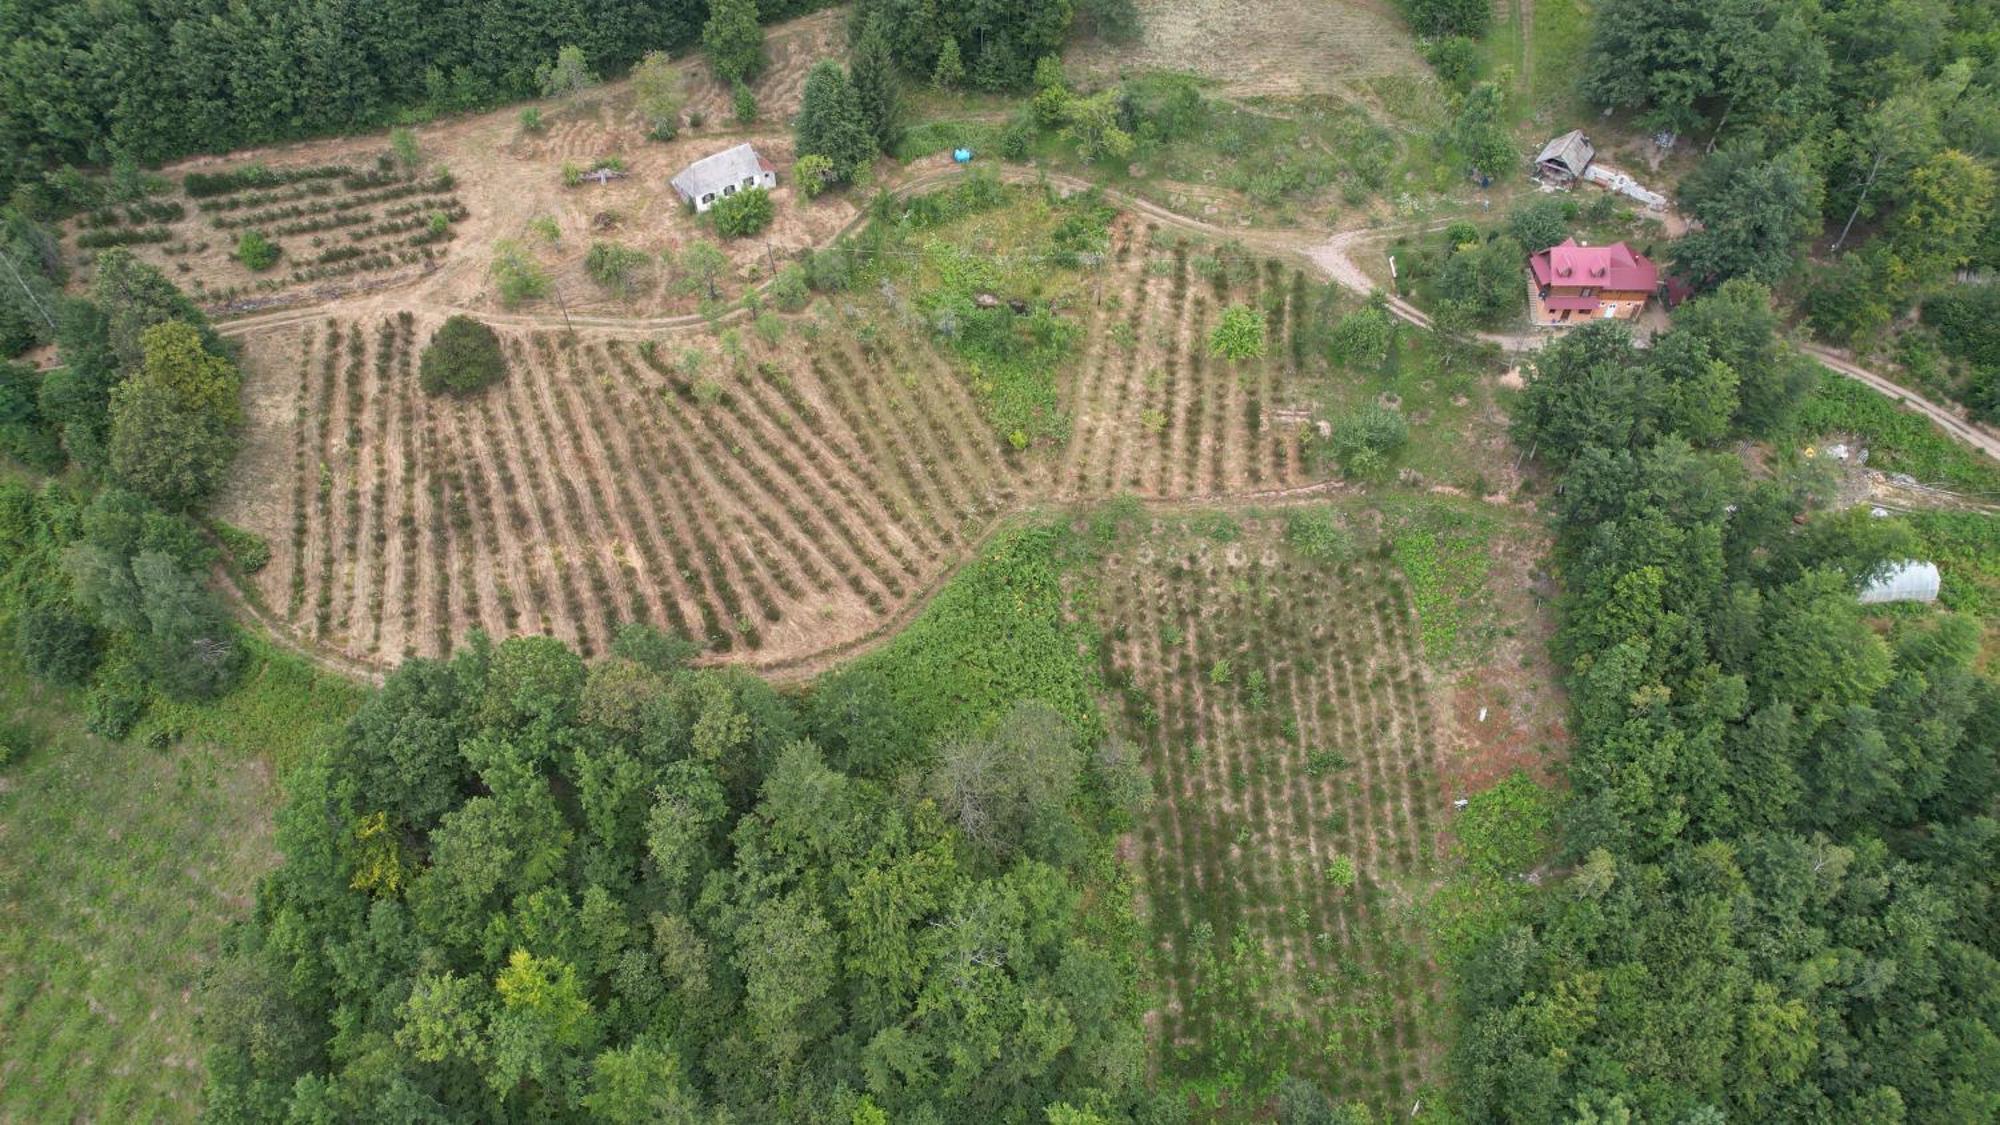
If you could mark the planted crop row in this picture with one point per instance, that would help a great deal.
(1281, 708)
(541, 470)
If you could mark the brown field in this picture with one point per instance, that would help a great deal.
(1286, 47)
(504, 178)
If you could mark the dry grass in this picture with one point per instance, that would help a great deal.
(1284, 47)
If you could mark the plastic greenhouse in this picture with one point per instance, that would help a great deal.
(1908, 581)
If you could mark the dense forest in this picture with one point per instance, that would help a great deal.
(1778, 902)
(1866, 129)
(524, 889)
(99, 83)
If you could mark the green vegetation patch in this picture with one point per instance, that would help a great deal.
(1898, 440)
(1277, 700)
(1966, 548)
(123, 867)
(995, 635)
(1445, 553)
(987, 269)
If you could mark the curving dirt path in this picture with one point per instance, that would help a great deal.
(1971, 433)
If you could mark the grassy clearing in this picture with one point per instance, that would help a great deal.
(995, 635)
(1897, 439)
(123, 865)
(1966, 548)
(1561, 35)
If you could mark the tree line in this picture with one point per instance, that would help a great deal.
(1777, 900)
(89, 84)
(107, 567)
(521, 888)
(1868, 126)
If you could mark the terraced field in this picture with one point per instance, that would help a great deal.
(778, 494)
(1285, 711)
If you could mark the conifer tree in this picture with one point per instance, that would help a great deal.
(877, 86)
(831, 122)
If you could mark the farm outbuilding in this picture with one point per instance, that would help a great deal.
(1565, 159)
(1907, 581)
(724, 174)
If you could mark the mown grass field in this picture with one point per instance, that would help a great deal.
(121, 867)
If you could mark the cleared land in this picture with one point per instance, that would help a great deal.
(778, 492)
(506, 184)
(121, 868)
(1287, 47)
(1298, 700)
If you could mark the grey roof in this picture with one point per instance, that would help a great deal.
(1572, 150)
(1908, 581)
(713, 173)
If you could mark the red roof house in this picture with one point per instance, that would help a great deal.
(1574, 282)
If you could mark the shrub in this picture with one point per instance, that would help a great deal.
(1366, 441)
(57, 644)
(743, 214)
(116, 704)
(1240, 335)
(250, 551)
(744, 101)
(531, 119)
(1455, 58)
(1316, 534)
(790, 290)
(1016, 139)
(464, 355)
(1362, 338)
(1340, 871)
(255, 251)
(615, 267)
(518, 276)
(814, 173)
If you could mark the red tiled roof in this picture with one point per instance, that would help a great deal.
(1616, 266)
(1570, 304)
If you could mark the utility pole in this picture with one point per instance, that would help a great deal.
(15, 271)
(564, 305)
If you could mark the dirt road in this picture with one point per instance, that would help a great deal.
(1971, 433)
(1331, 254)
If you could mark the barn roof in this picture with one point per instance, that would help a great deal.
(1616, 266)
(713, 173)
(1572, 151)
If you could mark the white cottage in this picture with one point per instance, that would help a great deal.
(724, 174)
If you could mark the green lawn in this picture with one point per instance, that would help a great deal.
(123, 867)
